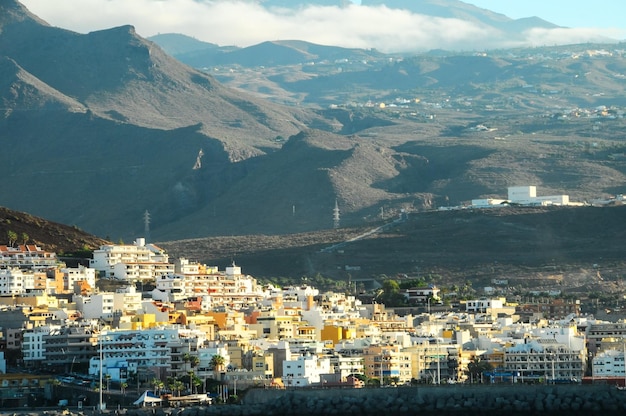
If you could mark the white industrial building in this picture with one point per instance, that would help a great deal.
(527, 195)
(522, 195)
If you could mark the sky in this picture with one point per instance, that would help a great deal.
(568, 13)
(243, 23)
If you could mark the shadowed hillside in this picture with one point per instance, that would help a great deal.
(50, 236)
(583, 247)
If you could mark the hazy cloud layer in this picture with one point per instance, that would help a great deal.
(245, 23)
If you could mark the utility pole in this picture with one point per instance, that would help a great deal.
(146, 222)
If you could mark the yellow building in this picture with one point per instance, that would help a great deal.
(332, 333)
(264, 363)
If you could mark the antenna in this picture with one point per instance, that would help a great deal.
(146, 223)
(336, 215)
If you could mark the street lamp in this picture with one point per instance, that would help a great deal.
(438, 363)
(382, 377)
(624, 344)
(100, 407)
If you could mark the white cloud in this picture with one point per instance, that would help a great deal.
(244, 23)
(563, 36)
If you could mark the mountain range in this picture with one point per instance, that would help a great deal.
(121, 137)
(438, 8)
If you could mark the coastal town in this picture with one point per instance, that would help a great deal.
(178, 327)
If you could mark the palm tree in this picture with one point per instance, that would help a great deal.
(196, 382)
(476, 368)
(123, 386)
(177, 386)
(186, 357)
(157, 384)
(193, 362)
(217, 362)
(12, 237)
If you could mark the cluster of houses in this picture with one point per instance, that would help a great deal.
(169, 318)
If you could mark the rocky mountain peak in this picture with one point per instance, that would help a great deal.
(12, 12)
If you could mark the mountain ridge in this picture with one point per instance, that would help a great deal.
(108, 85)
(104, 129)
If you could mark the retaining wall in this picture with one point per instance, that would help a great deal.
(441, 401)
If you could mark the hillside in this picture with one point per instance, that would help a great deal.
(50, 236)
(110, 122)
(577, 250)
(574, 250)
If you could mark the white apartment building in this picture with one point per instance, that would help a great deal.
(150, 353)
(206, 354)
(73, 275)
(16, 281)
(609, 363)
(483, 305)
(28, 256)
(105, 305)
(304, 370)
(228, 288)
(33, 344)
(101, 305)
(422, 294)
(297, 296)
(139, 261)
(346, 365)
(544, 359)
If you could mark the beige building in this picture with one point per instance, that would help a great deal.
(435, 362)
(387, 363)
